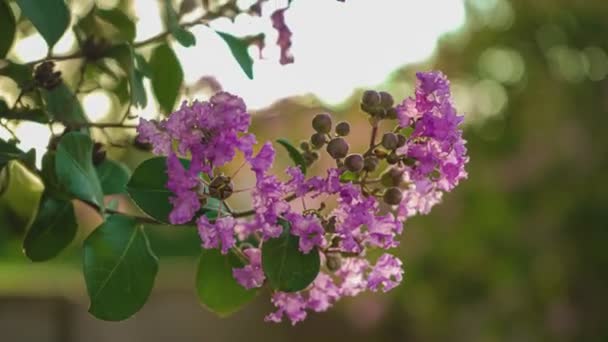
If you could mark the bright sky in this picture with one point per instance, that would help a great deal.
(338, 47)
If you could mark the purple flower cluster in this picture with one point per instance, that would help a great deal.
(355, 276)
(430, 161)
(435, 146)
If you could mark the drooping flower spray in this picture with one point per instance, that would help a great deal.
(408, 168)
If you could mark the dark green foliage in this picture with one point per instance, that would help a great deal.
(50, 17)
(216, 287)
(287, 268)
(119, 268)
(74, 168)
(53, 229)
(167, 77)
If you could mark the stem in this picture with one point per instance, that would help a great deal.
(372, 142)
(202, 20)
(8, 129)
(252, 211)
(137, 217)
(100, 125)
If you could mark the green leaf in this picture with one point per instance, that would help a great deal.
(53, 229)
(348, 176)
(119, 268)
(238, 47)
(216, 287)
(50, 17)
(74, 168)
(287, 268)
(20, 191)
(142, 65)
(125, 57)
(19, 73)
(124, 26)
(63, 105)
(167, 76)
(49, 178)
(113, 177)
(28, 114)
(113, 25)
(294, 154)
(183, 36)
(7, 28)
(9, 151)
(147, 187)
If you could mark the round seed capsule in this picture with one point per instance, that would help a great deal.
(392, 177)
(322, 123)
(392, 196)
(370, 163)
(401, 140)
(386, 100)
(305, 146)
(354, 162)
(342, 128)
(337, 148)
(334, 261)
(392, 158)
(390, 141)
(371, 98)
(317, 140)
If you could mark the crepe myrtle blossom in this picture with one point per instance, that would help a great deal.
(405, 171)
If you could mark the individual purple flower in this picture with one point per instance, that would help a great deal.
(309, 229)
(150, 133)
(383, 230)
(268, 201)
(250, 276)
(387, 273)
(407, 113)
(323, 293)
(263, 159)
(183, 183)
(353, 212)
(290, 305)
(353, 275)
(217, 235)
(284, 39)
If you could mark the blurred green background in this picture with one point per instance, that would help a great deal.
(516, 253)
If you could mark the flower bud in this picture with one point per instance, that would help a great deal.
(354, 162)
(370, 98)
(334, 261)
(220, 187)
(317, 140)
(392, 196)
(401, 140)
(337, 148)
(45, 75)
(322, 123)
(99, 154)
(392, 158)
(370, 163)
(390, 141)
(342, 128)
(380, 153)
(305, 146)
(386, 100)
